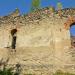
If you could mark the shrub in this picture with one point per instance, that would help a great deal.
(4, 70)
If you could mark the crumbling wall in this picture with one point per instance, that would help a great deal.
(41, 40)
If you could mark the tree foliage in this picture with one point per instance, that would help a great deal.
(59, 5)
(35, 4)
(52, 9)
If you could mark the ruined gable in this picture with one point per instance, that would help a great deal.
(39, 37)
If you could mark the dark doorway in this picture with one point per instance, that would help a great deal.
(13, 33)
(72, 34)
(13, 42)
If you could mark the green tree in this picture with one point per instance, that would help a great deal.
(59, 7)
(35, 4)
(52, 9)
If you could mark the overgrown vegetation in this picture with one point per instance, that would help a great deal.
(35, 5)
(59, 8)
(4, 70)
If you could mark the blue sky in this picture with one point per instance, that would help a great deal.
(8, 6)
(72, 30)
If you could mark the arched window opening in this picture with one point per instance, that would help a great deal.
(72, 34)
(13, 34)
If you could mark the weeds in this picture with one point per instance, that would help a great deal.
(4, 70)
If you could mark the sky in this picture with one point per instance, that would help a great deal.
(8, 6)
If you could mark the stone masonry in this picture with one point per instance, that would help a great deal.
(39, 41)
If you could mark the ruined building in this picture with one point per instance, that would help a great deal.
(40, 40)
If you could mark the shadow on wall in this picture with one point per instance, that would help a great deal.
(13, 34)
